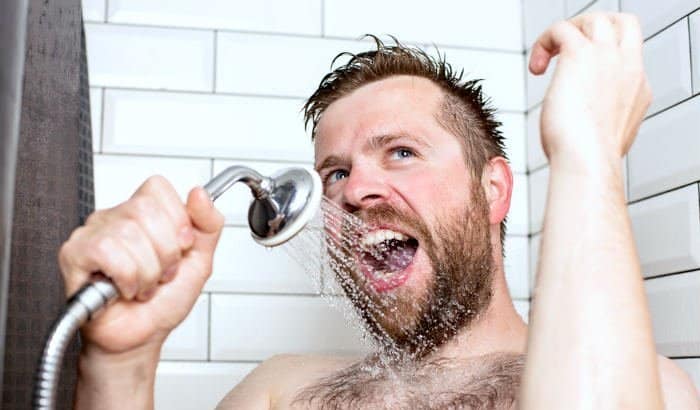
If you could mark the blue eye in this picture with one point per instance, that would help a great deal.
(401, 153)
(335, 176)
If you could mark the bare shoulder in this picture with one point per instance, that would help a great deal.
(276, 381)
(678, 389)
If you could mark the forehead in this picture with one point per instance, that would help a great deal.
(393, 105)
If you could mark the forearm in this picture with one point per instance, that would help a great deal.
(123, 381)
(590, 342)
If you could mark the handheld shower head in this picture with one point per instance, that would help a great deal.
(283, 204)
(293, 199)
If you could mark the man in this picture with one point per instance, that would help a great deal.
(413, 152)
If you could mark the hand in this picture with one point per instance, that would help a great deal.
(158, 252)
(599, 92)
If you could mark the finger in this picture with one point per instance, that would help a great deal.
(147, 212)
(630, 31)
(89, 254)
(598, 27)
(205, 217)
(137, 243)
(158, 188)
(561, 38)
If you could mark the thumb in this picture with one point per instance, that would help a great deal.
(205, 217)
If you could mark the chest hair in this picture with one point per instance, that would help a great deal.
(485, 382)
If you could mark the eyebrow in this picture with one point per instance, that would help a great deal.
(374, 143)
(383, 140)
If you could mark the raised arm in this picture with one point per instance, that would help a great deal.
(590, 343)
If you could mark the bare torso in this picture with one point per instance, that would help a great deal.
(304, 382)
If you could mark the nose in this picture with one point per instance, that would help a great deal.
(364, 188)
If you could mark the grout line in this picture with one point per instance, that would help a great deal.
(677, 103)
(663, 28)
(211, 168)
(690, 55)
(301, 35)
(198, 92)
(663, 192)
(103, 92)
(205, 158)
(675, 273)
(106, 15)
(216, 53)
(323, 18)
(209, 326)
(230, 361)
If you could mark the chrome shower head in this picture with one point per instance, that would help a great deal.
(283, 203)
(292, 200)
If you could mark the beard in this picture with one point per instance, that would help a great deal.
(416, 322)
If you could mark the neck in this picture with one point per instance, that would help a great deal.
(498, 329)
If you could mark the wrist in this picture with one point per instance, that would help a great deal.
(119, 380)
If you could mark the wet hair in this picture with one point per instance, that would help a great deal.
(465, 110)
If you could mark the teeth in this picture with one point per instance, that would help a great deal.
(381, 235)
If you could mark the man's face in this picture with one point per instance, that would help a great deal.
(424, 258)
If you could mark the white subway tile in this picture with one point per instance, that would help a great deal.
(242, 265)
(93, 10)
(575, 6)
(523, 309)
(154, 58)
(190, 340)
(277, 65)
(602, 5)
(535, 154)
(196, 385)
(518, 214)
(118, 177)
(694, 20)
(539, 15)
(667, 231)
(502, 74)
(655, 15)
(675, 313)
(513, 130)
(516, 266)
(205, 125)
(235, 202)
(534, 259)
(96, 118)
(539, 182)
(692, 367)
(537, 84)
(665, 154)
(496, 25)
(254, 327)
(667, 64)
(279, 16)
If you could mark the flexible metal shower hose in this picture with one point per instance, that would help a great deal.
(81, 307)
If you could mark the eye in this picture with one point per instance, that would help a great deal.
(401, 153)
(335, 176)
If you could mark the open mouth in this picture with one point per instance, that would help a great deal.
(385, 257)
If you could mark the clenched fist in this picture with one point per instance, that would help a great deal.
(157, 251)
(599, 92)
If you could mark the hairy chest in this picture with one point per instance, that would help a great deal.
(485, 383)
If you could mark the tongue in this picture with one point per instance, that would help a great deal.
(393, 258)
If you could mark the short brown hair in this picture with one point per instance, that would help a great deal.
(465, 110)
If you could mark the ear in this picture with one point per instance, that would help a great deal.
(497, 181)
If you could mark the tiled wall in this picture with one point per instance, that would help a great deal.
(662, 167)
(184, 88)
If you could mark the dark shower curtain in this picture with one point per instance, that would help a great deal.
(52, 190)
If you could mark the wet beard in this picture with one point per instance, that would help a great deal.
(461, 255)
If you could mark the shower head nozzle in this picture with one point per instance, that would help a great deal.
(291, 200)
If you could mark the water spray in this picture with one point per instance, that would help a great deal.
(282, 205)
